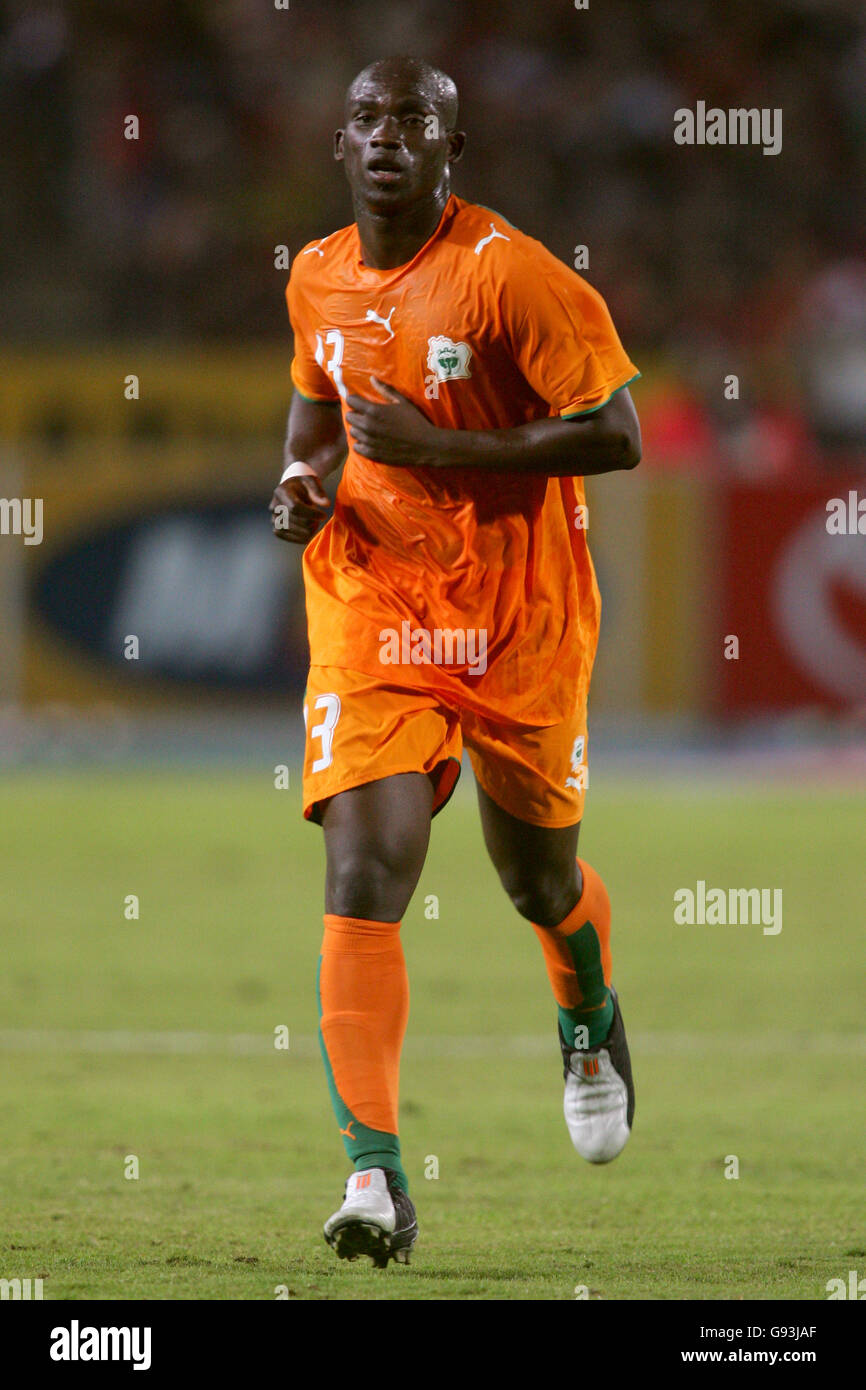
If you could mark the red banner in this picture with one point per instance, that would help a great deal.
(793, 594)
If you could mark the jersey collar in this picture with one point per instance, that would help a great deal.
(379, 275)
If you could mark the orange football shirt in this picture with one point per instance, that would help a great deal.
(483, 329)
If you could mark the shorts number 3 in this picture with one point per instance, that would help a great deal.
(325, 731)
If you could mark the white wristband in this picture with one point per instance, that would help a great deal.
(298, 470)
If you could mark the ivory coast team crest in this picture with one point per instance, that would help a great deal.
(448, 360)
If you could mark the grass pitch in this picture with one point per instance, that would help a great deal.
(153, 1039)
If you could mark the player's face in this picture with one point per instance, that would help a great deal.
(395, 146)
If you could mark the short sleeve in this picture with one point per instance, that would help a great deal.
(307, 374)
(561, 335)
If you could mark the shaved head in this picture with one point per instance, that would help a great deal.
(437, 86)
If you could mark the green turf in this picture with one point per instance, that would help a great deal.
(743, 1044)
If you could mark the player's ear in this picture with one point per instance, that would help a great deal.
(456, 145)
(338, 144)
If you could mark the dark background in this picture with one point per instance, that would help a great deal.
(721, 258)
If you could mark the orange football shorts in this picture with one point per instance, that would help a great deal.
(360, 729)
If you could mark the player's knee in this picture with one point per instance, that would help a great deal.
(542, 897)
(368, 887)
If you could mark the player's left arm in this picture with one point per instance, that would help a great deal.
(603, 440)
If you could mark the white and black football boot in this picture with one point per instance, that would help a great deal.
(599, 1093)
(377, 1219)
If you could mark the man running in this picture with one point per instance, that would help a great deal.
(451, 602)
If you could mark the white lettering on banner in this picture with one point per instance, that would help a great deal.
(201, 595)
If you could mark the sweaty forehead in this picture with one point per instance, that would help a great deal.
(393, 92)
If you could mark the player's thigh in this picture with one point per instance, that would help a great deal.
(376, 838)
(531, 791)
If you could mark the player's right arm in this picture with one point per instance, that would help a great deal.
(315, 436)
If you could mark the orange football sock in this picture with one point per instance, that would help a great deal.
(364, 1006)
(578, 960)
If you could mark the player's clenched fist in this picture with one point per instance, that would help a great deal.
(298, 508)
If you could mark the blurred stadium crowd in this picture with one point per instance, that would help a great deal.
(714, 261)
